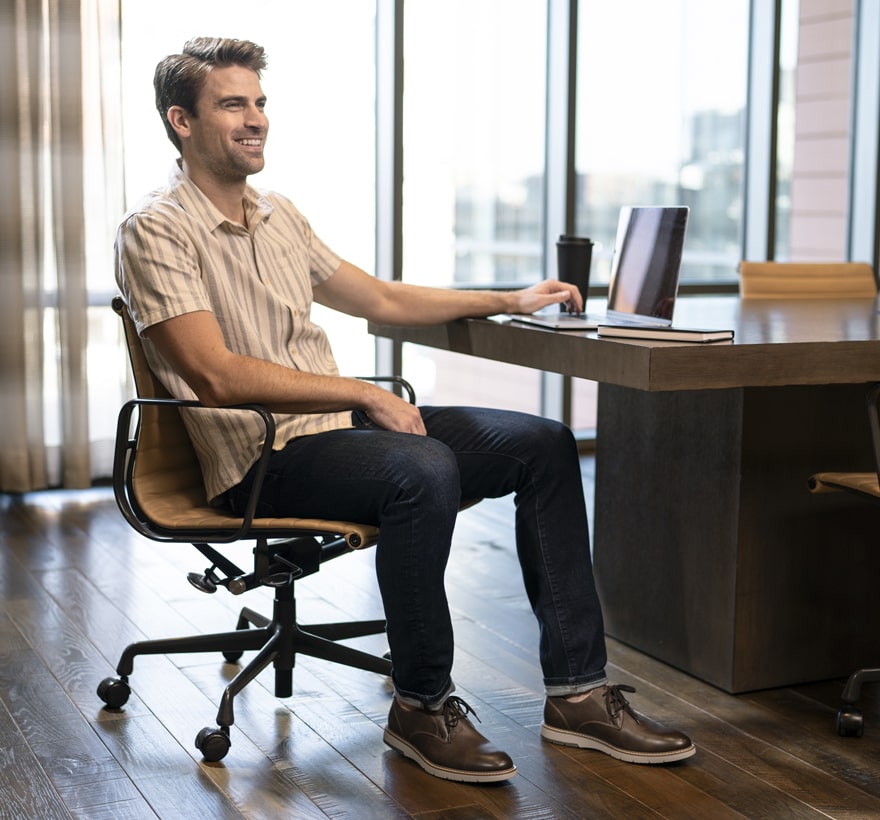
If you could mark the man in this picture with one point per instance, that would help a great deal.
(219, 279)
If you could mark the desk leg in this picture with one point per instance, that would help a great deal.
(710, 553)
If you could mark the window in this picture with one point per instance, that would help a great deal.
(661, 96)
(660, 121)
(473, 139)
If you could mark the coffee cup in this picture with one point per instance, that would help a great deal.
(574, 255)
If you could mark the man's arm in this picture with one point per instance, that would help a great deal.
(353, 291)
(193, 345)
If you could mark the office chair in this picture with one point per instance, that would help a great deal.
(850, 722)
(806, 280)
(158, 486)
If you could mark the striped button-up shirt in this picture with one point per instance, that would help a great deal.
(176, 253)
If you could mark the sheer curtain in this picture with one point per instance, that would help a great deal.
(61, 165)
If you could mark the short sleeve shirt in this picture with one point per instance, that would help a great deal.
(176, 253)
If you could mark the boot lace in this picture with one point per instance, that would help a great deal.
(454, 710)
(615, 701)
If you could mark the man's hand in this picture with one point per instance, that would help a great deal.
(548, 292)
(391, 412)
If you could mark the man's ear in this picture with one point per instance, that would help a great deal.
(179, 118)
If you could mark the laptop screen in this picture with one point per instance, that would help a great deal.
(646, 264)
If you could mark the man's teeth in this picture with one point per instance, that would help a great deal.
(250, 142)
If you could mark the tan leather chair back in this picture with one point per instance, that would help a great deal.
(167, 478)
(806, 280)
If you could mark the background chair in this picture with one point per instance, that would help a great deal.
(158, 486)
(806, 280)
(867, 485)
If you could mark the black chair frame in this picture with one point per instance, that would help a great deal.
(283, 554)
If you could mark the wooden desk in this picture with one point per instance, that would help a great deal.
(709, 551)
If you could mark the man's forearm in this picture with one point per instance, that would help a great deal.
(438, 305)
(243, 379)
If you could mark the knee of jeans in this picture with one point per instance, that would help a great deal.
(548, 435)
(432, 473)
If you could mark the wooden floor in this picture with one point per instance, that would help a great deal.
(76, 586)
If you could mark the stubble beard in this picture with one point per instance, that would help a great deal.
(236, 168)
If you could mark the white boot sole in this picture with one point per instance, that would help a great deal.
(443, 772)
(566, 738)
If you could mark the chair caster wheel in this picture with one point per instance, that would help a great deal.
(114, 692)
(213, 743)
(850, 722)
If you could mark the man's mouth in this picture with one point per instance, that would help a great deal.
(251, 142)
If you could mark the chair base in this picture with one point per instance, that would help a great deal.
(278, 641)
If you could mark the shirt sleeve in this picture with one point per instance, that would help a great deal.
(157, 269)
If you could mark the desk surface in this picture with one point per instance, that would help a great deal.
(776, 343)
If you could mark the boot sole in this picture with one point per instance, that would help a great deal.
(444, 772)
(563, 737)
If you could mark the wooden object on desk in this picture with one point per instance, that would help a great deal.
(709, 553)
(806, 280)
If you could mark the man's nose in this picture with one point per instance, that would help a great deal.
(256, 117)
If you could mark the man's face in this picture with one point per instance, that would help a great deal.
(227, 137)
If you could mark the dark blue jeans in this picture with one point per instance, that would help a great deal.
(411, 487)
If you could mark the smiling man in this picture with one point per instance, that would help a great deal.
(220, 279)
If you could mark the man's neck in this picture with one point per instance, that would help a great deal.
(227, 196)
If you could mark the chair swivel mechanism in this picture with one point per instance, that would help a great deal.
(850, 722)
(158, 487)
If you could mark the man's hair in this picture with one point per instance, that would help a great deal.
(179, 78)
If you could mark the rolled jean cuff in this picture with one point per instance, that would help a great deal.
(431, 704)
(566, 689)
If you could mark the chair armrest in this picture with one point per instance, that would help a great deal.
(125, 450)
(399, 381)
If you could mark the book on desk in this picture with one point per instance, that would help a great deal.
(666, 333)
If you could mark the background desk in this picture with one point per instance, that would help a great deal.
(710, 553)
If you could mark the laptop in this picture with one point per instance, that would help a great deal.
(645, 270)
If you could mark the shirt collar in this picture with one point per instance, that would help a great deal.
(256, 204)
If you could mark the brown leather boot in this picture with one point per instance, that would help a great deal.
(605, 721)
(445, 743)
